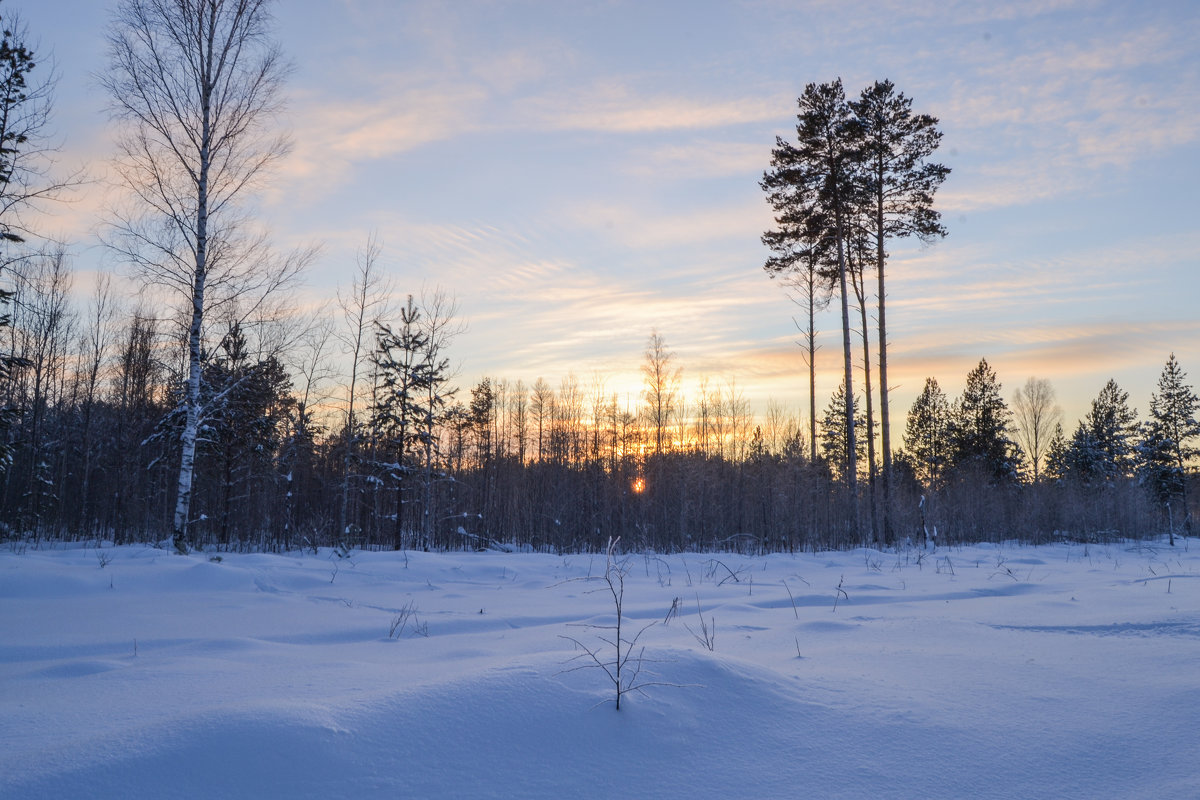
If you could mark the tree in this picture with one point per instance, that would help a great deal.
(1057, 467)
(661, 382)
(1112, 427)
(1037, 415)
(1166, 448)
(1102, 449)
(814, 295)
(137, 403)
(440, 326)
(900, 185)
(45, 327)
(811, 187)
(362, 304)
(801, 260)
(835, 438)
(399, 408)
(856, 260)
(196, 84)
(309, 364)
(25, 107)
(980, 426)
(9, 364)
(926, 436)
(242, 427)
(541, 405)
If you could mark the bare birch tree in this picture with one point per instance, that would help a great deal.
(1036, 414)
(196, 86)
(660, 379)
(364, 303)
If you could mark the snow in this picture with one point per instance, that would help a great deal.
(1069, 671)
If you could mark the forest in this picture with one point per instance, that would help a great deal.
(207, 410)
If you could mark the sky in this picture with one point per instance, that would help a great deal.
(579, 174)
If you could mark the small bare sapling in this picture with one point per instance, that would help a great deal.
(621, 659)
(707, 636)
(841, 593)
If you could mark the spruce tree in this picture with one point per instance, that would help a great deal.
(1056, 455)
(1112, 426)
(835, 438)
(926, 436)
(1167, 444)
(981, 426)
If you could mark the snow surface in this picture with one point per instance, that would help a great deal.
(1067, 671)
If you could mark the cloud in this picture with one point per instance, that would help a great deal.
(701, 158)
(640, 228)
(332, 137)
(611, 106)
(1048, 119)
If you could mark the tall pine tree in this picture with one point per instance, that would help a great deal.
(900, 184)
(812, 187)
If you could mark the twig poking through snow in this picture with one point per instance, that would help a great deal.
(841, 593)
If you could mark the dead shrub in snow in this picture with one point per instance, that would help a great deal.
(407, 617)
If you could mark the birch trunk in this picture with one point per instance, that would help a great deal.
(191, 426)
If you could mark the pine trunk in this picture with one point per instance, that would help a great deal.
(860, 292)
(851, 443)
(812, 376)
(885, 430)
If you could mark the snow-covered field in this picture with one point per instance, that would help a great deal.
(1066, 671)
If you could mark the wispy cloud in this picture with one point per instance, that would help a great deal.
(701, 158)
(612, 106)
(1046, 119)
(636, 227)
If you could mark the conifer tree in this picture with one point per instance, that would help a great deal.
(247, 404)
(812, 186)
(25, 106)
(1056, 455)
(399, 411)
(1111, 427)
(835, 439)
(926, 436)
(1168, 440)
(981, 426)
(900, 184)
(1103, 446)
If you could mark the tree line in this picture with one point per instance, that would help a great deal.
(415, 462)
(208, 412)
